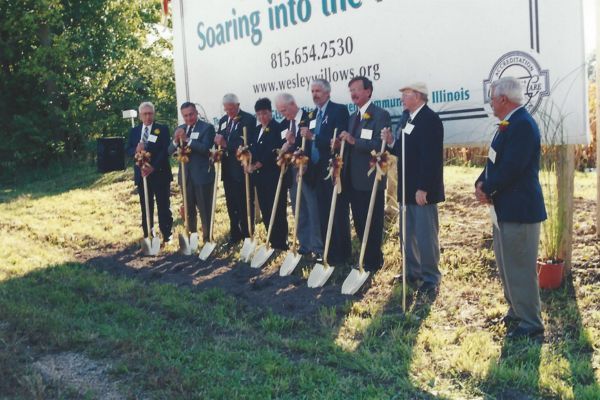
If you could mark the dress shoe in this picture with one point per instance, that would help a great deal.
(526, 333)
(318, 257)
(429, 288)
(510, 322)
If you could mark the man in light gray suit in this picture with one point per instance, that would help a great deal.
(200, 175)
(365, 127)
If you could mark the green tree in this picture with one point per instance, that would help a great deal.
(69, 67)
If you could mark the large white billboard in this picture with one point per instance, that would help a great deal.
(259, 48)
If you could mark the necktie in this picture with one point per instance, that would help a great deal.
(189, 131)
(229, 125)
(293, 127)
(146, 133)
(314, 154)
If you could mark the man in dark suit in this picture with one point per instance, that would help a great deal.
(424, 183)
(230, 137)
(510, 185)
(365, 127)
(153, 138)
(199, 173)
(309, 227)
(265, 141)
(329, 116)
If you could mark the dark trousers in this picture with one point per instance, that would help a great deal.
(159, 186)
(340, 246)
(235, 197)
(199, 197)
(359, 201)
(265, 189)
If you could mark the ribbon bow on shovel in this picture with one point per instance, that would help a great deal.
(243, 155)
(183, 153)
(142, 158)
(284, 158)
(379, 162)
(215, 156)
(299, 159)
(335, 171)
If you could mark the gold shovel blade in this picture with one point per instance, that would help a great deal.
(188, 246)
(289, 263)
(150, 247)
(261, 256)
(354, 281)
(319, 275)
(247, 249)
(207, 250)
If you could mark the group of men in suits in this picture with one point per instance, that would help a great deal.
(321, 131)
(509, 182)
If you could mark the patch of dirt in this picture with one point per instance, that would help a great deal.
(262, 288)
(78, 373)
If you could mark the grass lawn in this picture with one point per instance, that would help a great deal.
(165, 340)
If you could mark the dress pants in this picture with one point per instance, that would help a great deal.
(422, 243)
(159, 186)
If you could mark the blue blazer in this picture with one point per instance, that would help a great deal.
(158, 149)
(424, 157)
(512, 180)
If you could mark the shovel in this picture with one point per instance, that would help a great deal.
(358, 276)
(151, 243)
(321, 272)
(249, 242)
(208, 247)
(292, 258)
(264, 251)
(188, 243)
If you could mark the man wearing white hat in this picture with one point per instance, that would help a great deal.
(423, 182)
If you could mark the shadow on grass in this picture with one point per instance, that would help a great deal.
(570, 340)
(565, 371)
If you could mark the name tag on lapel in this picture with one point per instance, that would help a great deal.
(223, 125)
(366, 134)
(313, 124)
(152, 138)
(194, 135)
(408, 129)
(492, 155)
(283, 133)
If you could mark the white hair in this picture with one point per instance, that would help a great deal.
(145, 104)
(325, 85)
(509, 87)
(284, 98)
(230, 98)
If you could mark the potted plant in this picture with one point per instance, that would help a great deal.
(550, 265)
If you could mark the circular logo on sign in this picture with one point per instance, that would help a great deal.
(534, 80)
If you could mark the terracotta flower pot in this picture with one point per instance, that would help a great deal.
(550, 273)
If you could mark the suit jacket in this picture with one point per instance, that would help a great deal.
(197, 169)
(264, 150)
(424, 157)
(158, 149)
(309, 176)
(232, 168)
(357, 157)
(512, 179)
(335, 116)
